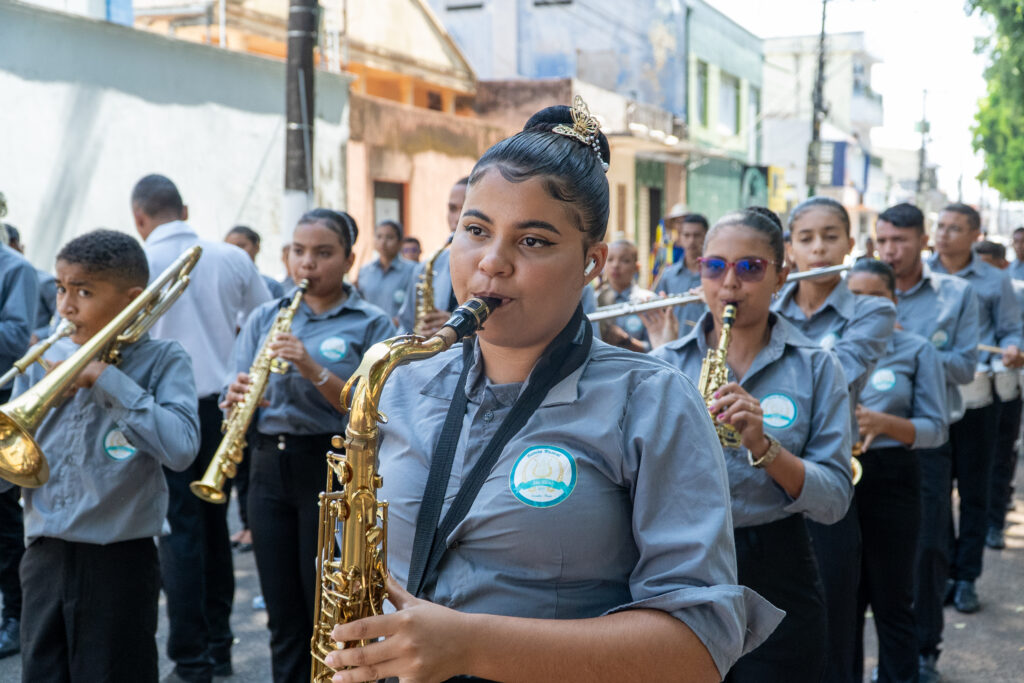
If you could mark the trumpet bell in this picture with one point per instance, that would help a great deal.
(21, 459)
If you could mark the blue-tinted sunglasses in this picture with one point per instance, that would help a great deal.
(747, 269)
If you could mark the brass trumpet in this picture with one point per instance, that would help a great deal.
(35, 354)
(21, 460)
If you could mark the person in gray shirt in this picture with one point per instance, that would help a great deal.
(944, 310)
(331, 330)
(855, 329)
(384, 282)
(90, 558)
(248, 240)
(683, 275)
(47, 286)
(901, 411)
(974, 437)
(787, 399)
(1016, 267)
(598, 539)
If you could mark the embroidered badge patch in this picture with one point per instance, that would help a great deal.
(117, 446)
(333, 349)
(779, 411)
(939, 339)
(399, 296)
(543, 476)
(883, 379)
(634, 325)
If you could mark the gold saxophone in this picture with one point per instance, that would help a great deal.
(425, 289)
(224, 464)
(353, 586)
(714, 373)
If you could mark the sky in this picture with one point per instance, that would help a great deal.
(924, 44)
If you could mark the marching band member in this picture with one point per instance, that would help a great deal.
(90, 573)
(788, 401)
(598, 542)
(856, 330)
(944, 310)
(902, 409)
(627, 331)
(331, 329)
(683, 275)
(385, 281)
(974, 437)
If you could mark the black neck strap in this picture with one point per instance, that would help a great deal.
(563, 356)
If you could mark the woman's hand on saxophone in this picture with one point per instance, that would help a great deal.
(236, 392)
(422, 643)
(733, 405)
(287, 346)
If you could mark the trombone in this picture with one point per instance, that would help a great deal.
(628, 308)
(65, 329)
(21, 460)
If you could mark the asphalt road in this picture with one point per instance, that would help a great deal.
(987, 647)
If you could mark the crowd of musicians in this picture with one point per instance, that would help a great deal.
(564, 503)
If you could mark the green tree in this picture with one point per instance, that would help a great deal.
(999, 122)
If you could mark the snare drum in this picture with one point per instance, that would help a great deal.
(978, 393)
(1007, 384)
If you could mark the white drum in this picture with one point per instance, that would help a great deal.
(1007, 383)
(978, 393)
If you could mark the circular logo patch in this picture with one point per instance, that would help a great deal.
(779, 410)
(116, 445)
(939, 339)
(543, 476)
(634, 325)
(883, 379)
(399, 296)
(828, 342)
(333, 349)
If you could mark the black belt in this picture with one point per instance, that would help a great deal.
(318, 443)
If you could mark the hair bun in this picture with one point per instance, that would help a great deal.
(549, 117)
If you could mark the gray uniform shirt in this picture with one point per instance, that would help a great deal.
(336, 339)
(853, 327)
(19, 298)
(275, 288)
(999, 318)
(612, 496)
(944, 310)
(442, 291)
(678, 279)
(47, 299)
(387, 289)
(107, 446)
(908, 382)
(806, 407)
(1016, 269)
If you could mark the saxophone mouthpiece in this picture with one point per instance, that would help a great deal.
(470, 316)
(491, 302)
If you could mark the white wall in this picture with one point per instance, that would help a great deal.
(88, 107)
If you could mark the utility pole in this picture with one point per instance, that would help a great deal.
(303, 16)
(818, 113)
(922, 158)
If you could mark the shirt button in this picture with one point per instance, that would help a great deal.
(488, 416)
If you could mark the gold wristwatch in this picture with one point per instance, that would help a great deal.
(774, 448)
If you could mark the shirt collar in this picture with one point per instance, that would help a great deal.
(840, 299)
(352, 302)
(168, 230)
(972, 267)
(926, 278)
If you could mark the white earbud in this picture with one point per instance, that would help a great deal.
(590, 267)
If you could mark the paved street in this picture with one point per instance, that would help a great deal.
(987, 647)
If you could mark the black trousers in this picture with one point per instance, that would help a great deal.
(195, 563)
(776, 560)
(974, 440)
(931, 564)
(90, 612)
(1004, 464)
(889, 510)
(12, 548)
(837, 548)
(284, 488)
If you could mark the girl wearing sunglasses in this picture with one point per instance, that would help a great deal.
(788, 400)
(856, 329)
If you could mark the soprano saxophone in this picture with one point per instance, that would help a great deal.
(352, 586)
(714, 373)
(224, 464)
(425, 289)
